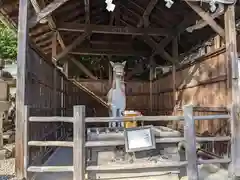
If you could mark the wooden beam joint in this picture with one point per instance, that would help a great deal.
(207, 17)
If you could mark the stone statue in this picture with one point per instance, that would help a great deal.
(116, 95)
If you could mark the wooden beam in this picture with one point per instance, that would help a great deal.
(148, 11)
(106, 29)
(160, 51)
(21, 88)
(60, 40)
(207, 17)
(54, 53)
(138, 68)
(117, 13)
(232, 58)
(110, 72)
(87, 11)
(76, 42)
(114, 43)
(84, 69)
(117, 52)
(178, 30)
(46, 12)
(149, 41)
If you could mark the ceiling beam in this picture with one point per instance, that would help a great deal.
(122, 43)
(148, 11)
(144, 21)
(46, 12)
(60, 40)
(150, 42)
(207, 17)
(70, 47)
(110, 51)
(107, 29)
(160, 51)
(178, 30)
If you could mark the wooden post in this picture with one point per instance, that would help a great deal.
(151, 84)
(79, 143)
(175, 56)
(190, 138)
(1, 131)
(232, 58)
(26, 136)
(109, 71)
(65, 68)
(54, 53)
(21, 86)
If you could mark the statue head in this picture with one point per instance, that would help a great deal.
(118, 68)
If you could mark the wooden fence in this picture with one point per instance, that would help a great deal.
(80, 167)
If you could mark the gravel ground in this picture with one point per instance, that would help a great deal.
(7, 168)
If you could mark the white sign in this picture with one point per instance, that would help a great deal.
(138, 139)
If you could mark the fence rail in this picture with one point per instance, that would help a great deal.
(79, 143)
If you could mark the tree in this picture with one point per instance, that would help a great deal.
(8, 43)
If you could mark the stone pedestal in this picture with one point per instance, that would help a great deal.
(4, 105)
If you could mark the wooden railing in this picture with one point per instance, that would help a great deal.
(79, 143)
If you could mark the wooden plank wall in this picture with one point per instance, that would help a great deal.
(40, 92)
(137, 93)
(203, 84)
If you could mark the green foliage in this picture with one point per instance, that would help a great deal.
(8, 43)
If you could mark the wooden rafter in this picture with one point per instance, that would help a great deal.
(160, 51)
(148, 11)
(110, 51)
(207, 17)
(178, 30)
(70, 47)
(106, 29)
(144, 21)
(46, 12)
(59, 38)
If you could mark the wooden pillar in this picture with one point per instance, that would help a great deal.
(190, 139)
(175, 56)
(65, 68)
(232, 58)
(150, 84)
(54, 53)
(26, 135)
(79, 143)
(109, 71)
(21, 86)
